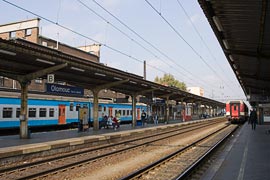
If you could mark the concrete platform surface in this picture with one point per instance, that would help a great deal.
(246, 158)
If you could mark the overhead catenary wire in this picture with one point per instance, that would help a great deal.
(77, 33)
(146, 41)
(201, 38)
(84, 36)
(188, 44)
(132, 39)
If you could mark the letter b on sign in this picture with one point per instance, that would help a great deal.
(50, 78)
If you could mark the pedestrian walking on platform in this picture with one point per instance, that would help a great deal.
(155, 118)
(253, 119)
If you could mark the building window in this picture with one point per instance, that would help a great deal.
(51, 112)
(18, 112)
(38, 81)
(28, 32)
(42, 112)
(44, 43)
(12, 34)
(71, 107)
(32, 112)
(7, 112)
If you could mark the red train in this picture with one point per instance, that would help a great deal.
(236, 111)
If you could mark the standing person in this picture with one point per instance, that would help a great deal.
(155, 118)
(118, 116)
(115, 123)
(143, 117)
(110, 122)
(253, 119)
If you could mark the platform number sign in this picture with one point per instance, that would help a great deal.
(50, 78)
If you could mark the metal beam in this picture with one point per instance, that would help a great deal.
(43, 72)
(145, 91)
(254, 77)
(261, 35)
(108, 85)
(168, 95)
(34, 75)
(246, 53)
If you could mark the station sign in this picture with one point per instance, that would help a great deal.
(50, 78)
(64, 90)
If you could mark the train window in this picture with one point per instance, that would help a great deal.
(32, 112)
(99, 108)
(7, 112)
(234, 107)
(71, 107)
(127, 112)
(42, 112)
(51, 112)
(18, 112)
(104, 108)
(85, 105)
(131, 112)
(78, 107)
(120, 112)
(124, 112)
(115, 112)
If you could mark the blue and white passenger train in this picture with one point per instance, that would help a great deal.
(44, 110)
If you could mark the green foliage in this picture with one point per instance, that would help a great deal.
(169, 80)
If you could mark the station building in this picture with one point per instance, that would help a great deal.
(30, 30)
(196, 90)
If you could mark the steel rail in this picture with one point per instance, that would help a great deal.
(147, 168)
(182, 129)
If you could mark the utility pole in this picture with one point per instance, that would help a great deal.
(144, 70)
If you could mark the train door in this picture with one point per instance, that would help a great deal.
(138, 113)
(62, 114)
(110, 111)
(235, 110)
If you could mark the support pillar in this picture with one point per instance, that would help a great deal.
(24, 133)
(183, 110)
(199, 110)
(134, 119)
(95, 110)
(167, 111)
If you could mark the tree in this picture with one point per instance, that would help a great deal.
(169, 80)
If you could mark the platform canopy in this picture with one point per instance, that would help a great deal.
(242, 28)
(22, 58)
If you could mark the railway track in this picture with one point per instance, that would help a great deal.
(50, 166)
(180, 164)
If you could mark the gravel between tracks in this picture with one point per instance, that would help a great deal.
(117, 166)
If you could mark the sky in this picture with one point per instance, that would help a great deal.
(173, 37)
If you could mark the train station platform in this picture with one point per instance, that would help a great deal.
(246, 157)
(13, 146)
